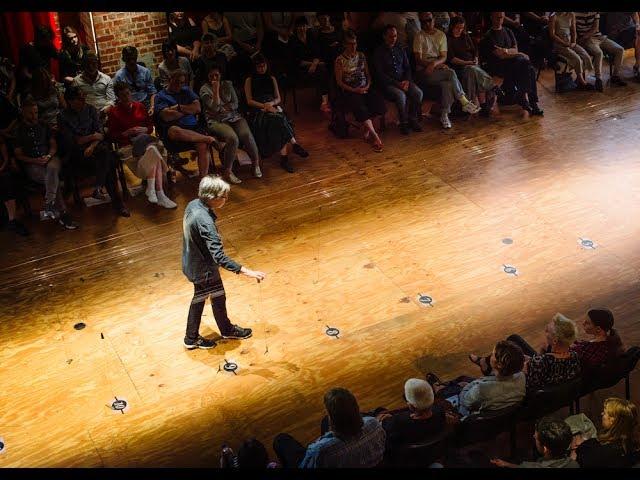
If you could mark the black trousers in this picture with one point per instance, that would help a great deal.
(518, 72)
(213, 288)
(290, 452)
(102, 164)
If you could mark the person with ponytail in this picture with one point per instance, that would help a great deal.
(605, 343)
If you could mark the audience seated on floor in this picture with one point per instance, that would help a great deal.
(430, 50)
(177, 111)
(270, 126)
(83, 138)
(226, 124)
(354, 92)
(129, 123)
(553, 439)
(352, 441)
(393, 77)
(35, 146)
(617, 445)
(137, 77)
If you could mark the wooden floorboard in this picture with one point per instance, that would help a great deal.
(348, 241)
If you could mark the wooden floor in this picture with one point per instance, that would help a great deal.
(349, 241)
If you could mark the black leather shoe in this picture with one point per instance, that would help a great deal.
(284, 163)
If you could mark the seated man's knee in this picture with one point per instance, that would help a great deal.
(173, 132)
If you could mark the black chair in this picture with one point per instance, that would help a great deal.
(487, 425)
(419, 454)
(546, 400)
(610, 374)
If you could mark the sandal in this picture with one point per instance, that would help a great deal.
(377, 147)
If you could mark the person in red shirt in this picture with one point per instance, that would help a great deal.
(129, 123)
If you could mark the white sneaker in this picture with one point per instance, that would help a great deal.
(165, 201)
(471, 108)
(444, 120)
(233, 179)
(257, 172)
(152, 196)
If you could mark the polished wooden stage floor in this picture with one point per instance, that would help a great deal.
(349, 241)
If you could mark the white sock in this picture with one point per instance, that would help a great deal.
(151, 185)
(464, 100)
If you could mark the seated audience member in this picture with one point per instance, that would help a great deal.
(171, 63)
(96, 86)
(442, 20)
(354, 81)
(590, 38)
(553, 439)
(177, 109)
(36, 54)
(430, 51)
(270, 126)
(83, 137)
(582, 429)
(137, 77)
(8, 184)
(418, 421)
(129, 124)
(605, 344)
(36, 148)
(407, 25)
(247, 30)
(500, 49)
(218, 25)
(251, 454)
(462, 55)
(534, 22)
(494, 392)
(278, 27)
(8, 109)
(71, 55)
(554, 363)
(307, 59)
(353, 441)
(186, 34)
(226, 124)
(512, 21)
(329, 38)
(208, 57)
(618, 443)
(47, 96)
(624, 29)
(562, 29)
(393, 73)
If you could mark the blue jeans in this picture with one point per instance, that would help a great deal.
(408, 103)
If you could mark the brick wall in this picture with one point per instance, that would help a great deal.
(115, 30)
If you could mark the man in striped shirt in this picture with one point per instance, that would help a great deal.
(594, 42)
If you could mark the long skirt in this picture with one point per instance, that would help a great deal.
(272, 131)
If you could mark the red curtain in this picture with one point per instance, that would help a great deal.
(16, 29)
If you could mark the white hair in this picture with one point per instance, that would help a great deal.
(212, 187)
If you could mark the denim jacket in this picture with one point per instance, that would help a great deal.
(202, 251)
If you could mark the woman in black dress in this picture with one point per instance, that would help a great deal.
(270, 126)
(184, 31)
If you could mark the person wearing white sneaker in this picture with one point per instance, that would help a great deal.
(226, 124)
(202, 257)
(129, 123)
(430, 50)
